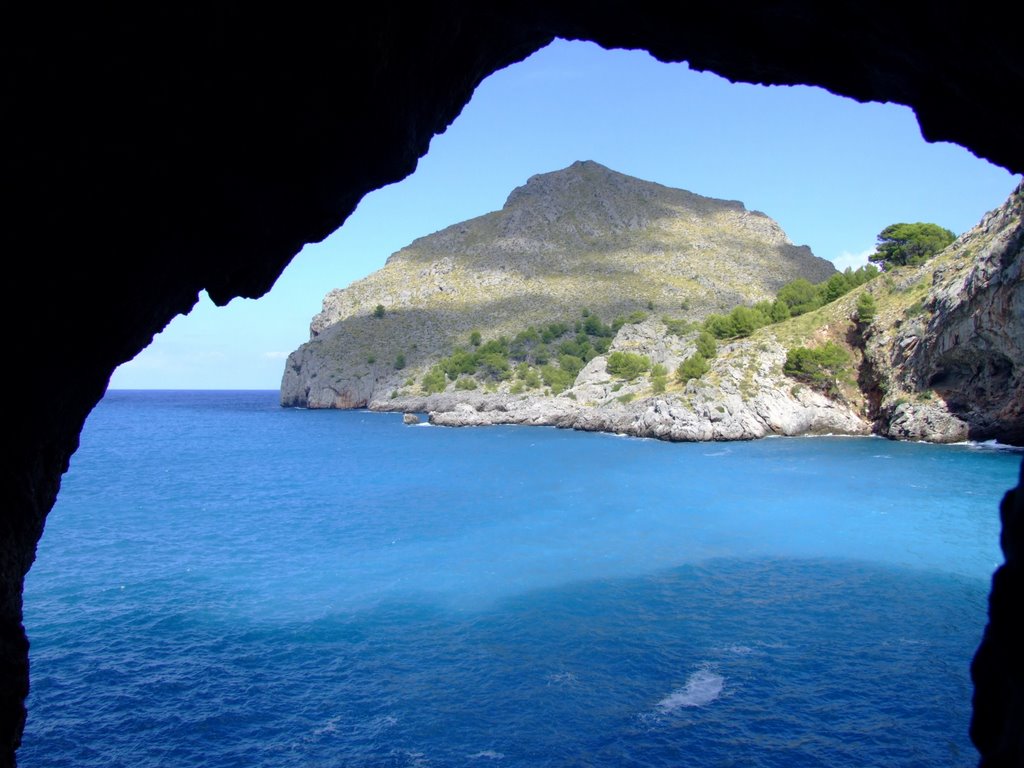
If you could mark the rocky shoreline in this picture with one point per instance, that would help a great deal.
(744, 402)
(941, 363)
(941, 360)
(668, 419)
(663, 419)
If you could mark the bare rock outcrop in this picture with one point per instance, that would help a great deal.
(952, 366)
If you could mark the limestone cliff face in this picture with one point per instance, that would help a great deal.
(951, 365)
(584, 236)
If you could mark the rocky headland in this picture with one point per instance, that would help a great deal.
(939, 361)
(744, 396)
(947, 353)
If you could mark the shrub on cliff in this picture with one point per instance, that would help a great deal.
(692, 367)
(627, 365)
(579, 347)
(559, 380)
(458, 363)
(434, 380)
(677, 326)
(866, 308)
(659, 378)
(494, 365)
(742, 321)
(637, 316)
(571, 364)
(794, 298)
(822, 367)
(707, 345)
(553, 331)
(800, 296)
(594, 327)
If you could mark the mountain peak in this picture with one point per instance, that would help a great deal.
(597, 201)
(581, 174)
(585, 164)
(589, 189)
(580, 238)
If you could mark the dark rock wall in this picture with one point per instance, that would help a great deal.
(973, 350)
(151, 152)
(998, 667)
(955, 371)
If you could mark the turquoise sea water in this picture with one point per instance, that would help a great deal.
(226, 583)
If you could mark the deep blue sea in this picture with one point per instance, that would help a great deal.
(227, 583)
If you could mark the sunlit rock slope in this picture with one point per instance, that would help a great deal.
(582, 237)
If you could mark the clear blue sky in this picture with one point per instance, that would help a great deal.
(832, 172)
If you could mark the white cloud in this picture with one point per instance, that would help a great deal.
(853, 260)
(275, 355)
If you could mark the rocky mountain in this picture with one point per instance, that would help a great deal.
(584, 237)
(941, 359)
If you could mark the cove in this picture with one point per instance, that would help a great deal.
(245, 585)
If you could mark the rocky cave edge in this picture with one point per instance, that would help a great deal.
(153, 153)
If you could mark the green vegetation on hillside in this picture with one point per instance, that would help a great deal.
(901, 245)
(866, 308)
(822, 367)
(693, 367)
(551, 355)
(627, 365)
(696, 365)
(678, 326)
(706, 344)
(633, 317)
(795, 298)
(659, 378)
(434, 380)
